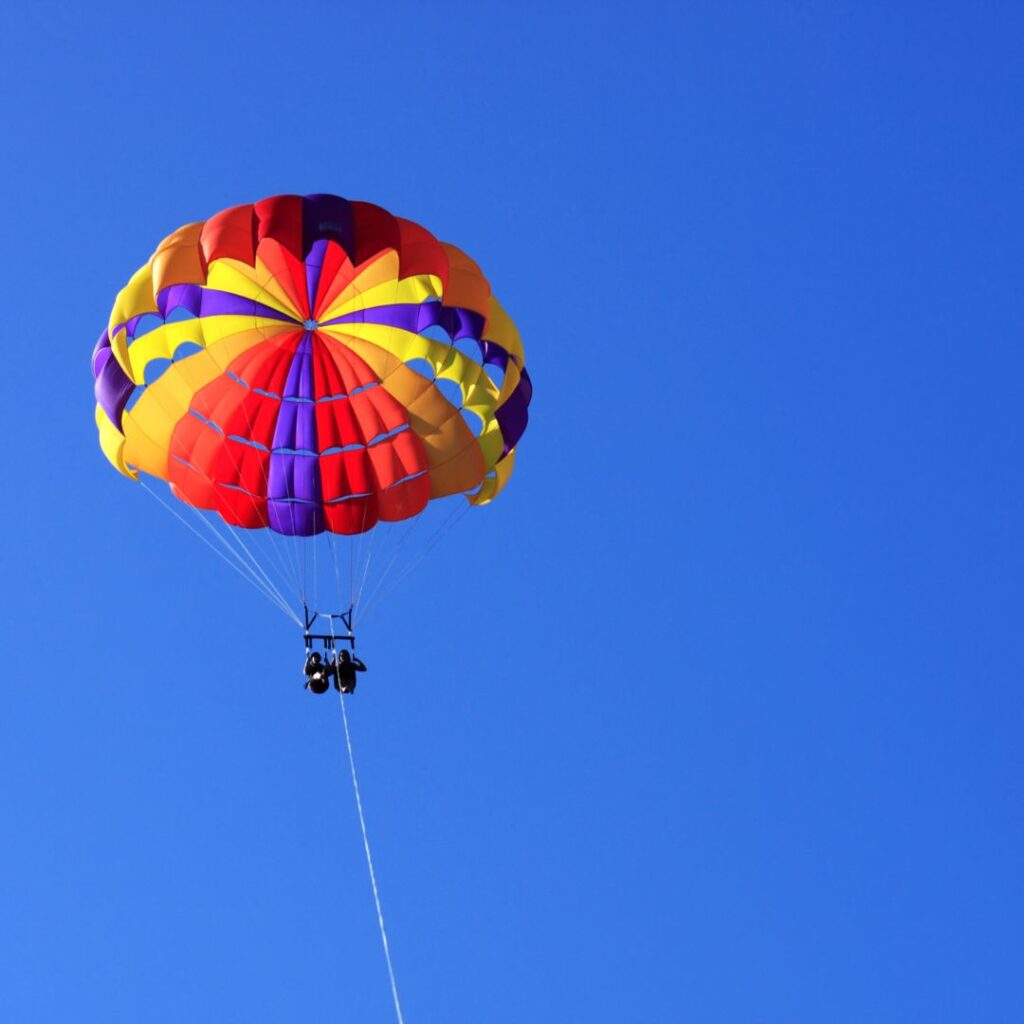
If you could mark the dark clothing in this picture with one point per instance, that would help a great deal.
(316, 675)
(345, 674)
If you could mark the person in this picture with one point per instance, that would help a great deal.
(316, 673)
(345, 668)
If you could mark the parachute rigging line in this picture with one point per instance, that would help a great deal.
(370, 862)
(238, 565)
(242, 568)
(369, 856)
(453, 517)
(251, 572)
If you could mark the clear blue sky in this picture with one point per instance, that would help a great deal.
(716, 715)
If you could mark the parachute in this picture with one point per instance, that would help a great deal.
(312, 377)
(309, 367)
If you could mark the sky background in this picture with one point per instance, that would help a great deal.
(716, 714)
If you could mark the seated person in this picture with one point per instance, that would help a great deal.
(345, 667)
(316, 673)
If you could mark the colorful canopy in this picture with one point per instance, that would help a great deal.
(318, 334)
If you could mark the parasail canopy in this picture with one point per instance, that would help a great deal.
(308, 364)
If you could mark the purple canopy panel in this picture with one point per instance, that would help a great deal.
(314, 268)
(495, 355)
(461, 323)
(327, 217)
(300, 382)
(113, 387)
(101, 352)
(180, 296)
(512, 417)
(213, 302)
(295, 518)
(294, 495)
